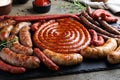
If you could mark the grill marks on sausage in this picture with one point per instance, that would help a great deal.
(63, 35)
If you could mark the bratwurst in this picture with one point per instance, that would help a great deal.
(20, 60)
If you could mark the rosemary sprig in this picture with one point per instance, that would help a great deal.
(4, 44)
(78, 4)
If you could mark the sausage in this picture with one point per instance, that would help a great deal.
(100, 51)
(96, 28)
(5, 32)
(109, 18)
(17, 28)
(100, 13)
(114, 56)
(47, 17)
(25, 36)
(108, 27)
(12, 69)
(89, 10)
(48, 62)
(18, 48)
(20, 60)
(64, 59)
(96, 40)
(35, 26)
(85, 14)
(7, 22)
(63, 36)
(97, 13)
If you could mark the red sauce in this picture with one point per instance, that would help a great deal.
(41, 2)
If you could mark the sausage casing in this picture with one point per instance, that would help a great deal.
(25, 36)
(64, 59)
(20, 60)
(100, 51)
(17, 28)
(5, 32)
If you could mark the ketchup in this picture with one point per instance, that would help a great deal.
(41, 2)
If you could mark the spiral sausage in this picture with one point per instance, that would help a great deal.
(63, 36)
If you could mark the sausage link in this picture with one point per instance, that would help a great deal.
(48, 62)
(17, 28)
(47, 17)
(11, 69)
(25, 36)
(108, 27)
(18, 48)
(96, 28)
(64, 59)
(20, 60)
(100, 51)
(6, 23)
(96, 40)
(5, 32)
(85, 14)
(35, 26)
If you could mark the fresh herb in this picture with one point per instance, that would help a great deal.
(78, 4)
(4, 44)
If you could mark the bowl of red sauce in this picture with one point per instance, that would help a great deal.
(5, 7)
(41, 6)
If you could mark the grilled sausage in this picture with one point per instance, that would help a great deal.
(108, 27)
(17, 28)
(5, 32)
(48, 62)
(20, 60)
(96, 28)
(6, 23)
(100, 51)
(114, 56)
(64, 59)
(25, 36)
(12, 69)
(18, 48)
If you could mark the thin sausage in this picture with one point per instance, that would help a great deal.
(12, 69)
(85, 14)
(64, 59)
(108, 27)
(48, 62)
(25, 36)
(20, 60)
(37, 18)
(96, 28)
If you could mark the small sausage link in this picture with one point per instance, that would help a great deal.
(20, 60)
(11, 69)
(25, 36)
(48, 62)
